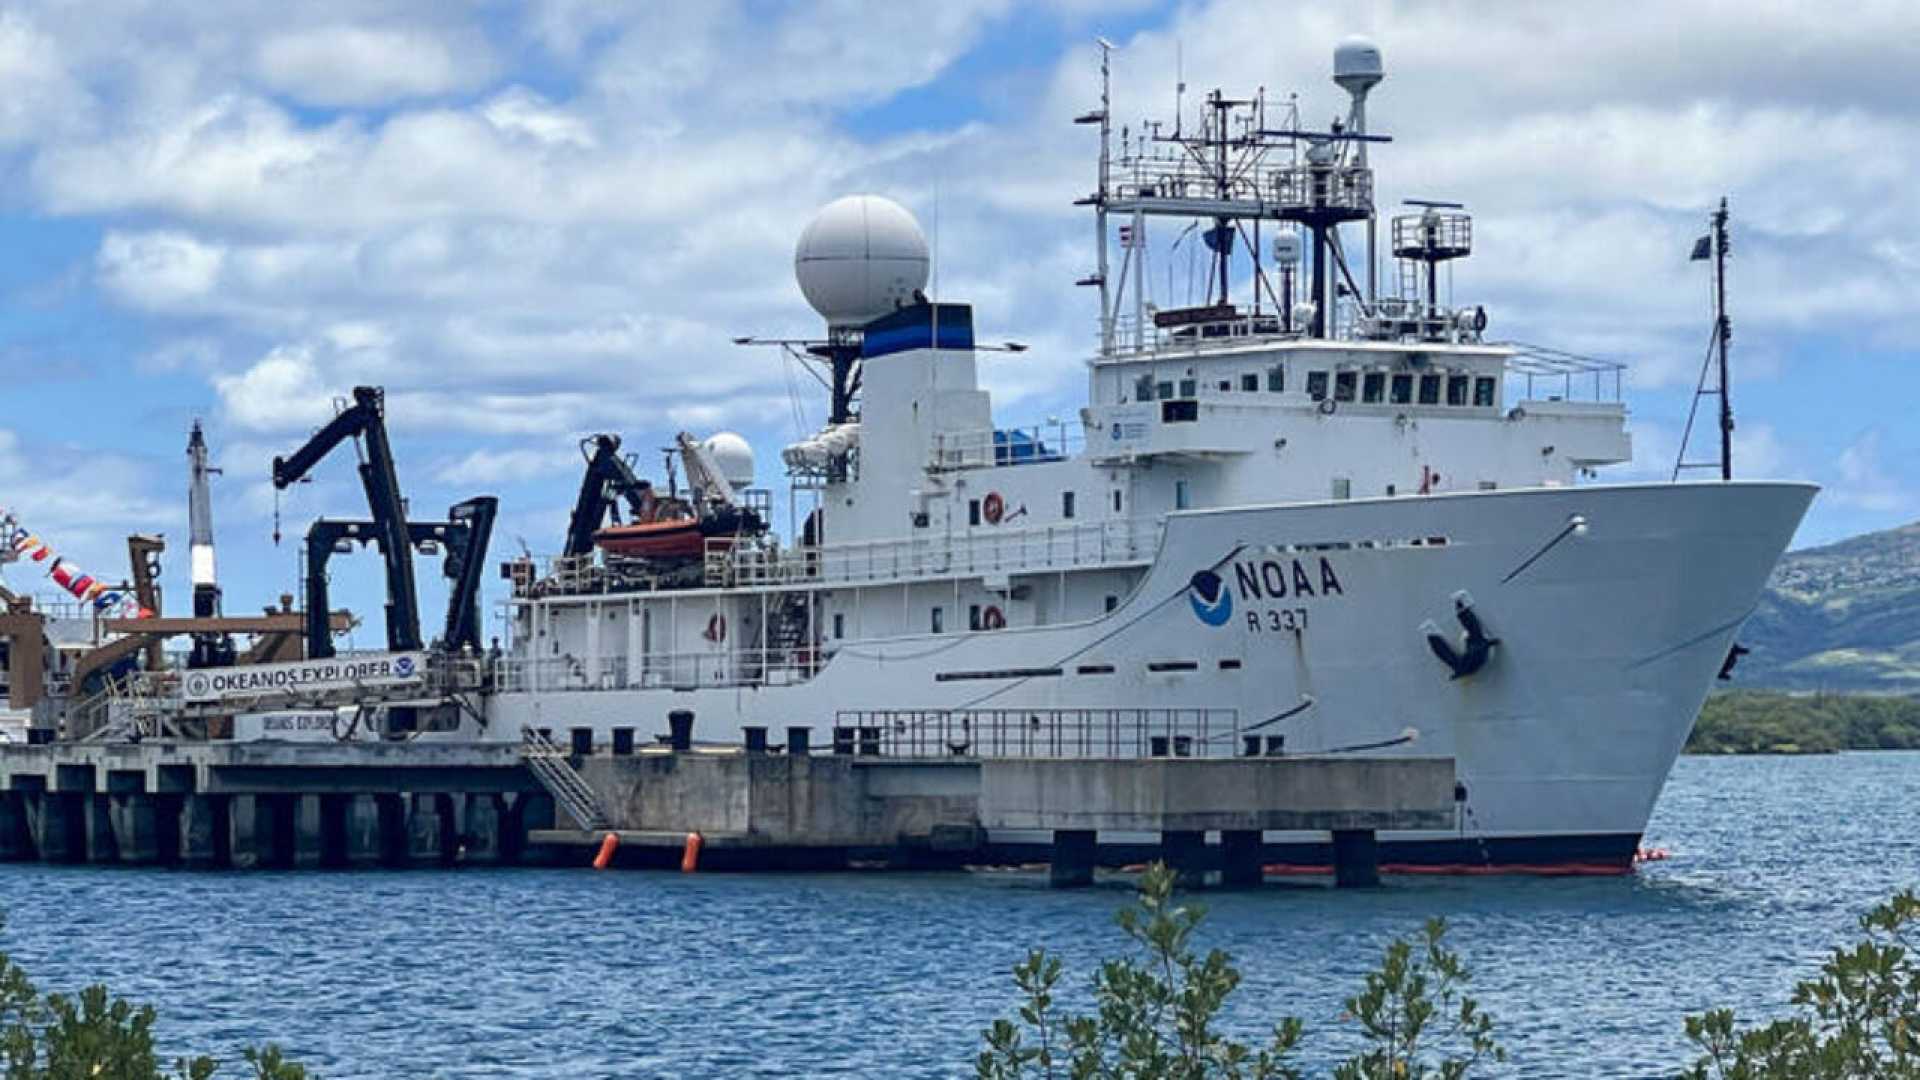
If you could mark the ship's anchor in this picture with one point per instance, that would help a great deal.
(1473, 651)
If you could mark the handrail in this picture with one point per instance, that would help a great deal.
(999, 550)
(1044, 733)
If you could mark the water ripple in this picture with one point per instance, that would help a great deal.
(573, 974)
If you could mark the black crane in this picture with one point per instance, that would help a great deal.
(609, 478)
(365, 420)
(463, 537)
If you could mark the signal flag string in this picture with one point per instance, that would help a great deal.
(22, 544)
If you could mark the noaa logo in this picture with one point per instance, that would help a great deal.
(403, 667)
(1212, 603)
(198, 685)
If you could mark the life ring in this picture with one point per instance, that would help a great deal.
(993, 508)
(716, 631)
(992, 619)
(1328, 406)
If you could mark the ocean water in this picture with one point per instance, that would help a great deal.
(569, 973)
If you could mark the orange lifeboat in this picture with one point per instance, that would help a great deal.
(679, 537)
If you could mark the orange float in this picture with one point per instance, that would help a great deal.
(690, 855)
(608, 845)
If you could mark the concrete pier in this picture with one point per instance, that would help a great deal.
(480, 826)
(59, 826)
(429, 830)
(98, 823)
(243, 805)
(133, 820)
(16, 841)
(320, 805)
(203, 831)
(307, 832)
(362, 841)
(761, 810)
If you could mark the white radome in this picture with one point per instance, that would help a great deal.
(732, 455)
(859, 258)
(1356, 64)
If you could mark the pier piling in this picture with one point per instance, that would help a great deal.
(1074, 854)
(1240, 858)
(1356, 858)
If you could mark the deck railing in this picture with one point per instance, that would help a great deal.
(1003, 550)
(1043, 733)
(679, 671)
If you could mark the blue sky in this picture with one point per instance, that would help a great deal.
(534, 222)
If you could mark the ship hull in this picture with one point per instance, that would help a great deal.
(1613, 607)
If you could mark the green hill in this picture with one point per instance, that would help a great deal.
(1843, 617)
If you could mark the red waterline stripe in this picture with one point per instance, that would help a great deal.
(1566, 869)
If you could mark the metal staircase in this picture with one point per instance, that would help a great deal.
(555, 772)
(791, 626)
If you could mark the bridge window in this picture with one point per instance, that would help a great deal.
(1163, 390)
(1429, 389)
(1317, 385)
(1403, 389)
(1179, 412)
(1143, 388)
(1373, 387)
(1483, 390)
(1250, 382)
(1457, 389)
(1181, 500)
(1343, 385)
(1277, 379)
(1188, 388)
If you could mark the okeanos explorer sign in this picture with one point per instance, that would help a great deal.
(384, 670)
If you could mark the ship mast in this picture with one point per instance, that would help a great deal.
(1227, 177)
(1715, 245)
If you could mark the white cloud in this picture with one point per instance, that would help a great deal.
(491, 468)
(38, 95)
(523, 112)
(515, 262)
(76, 498)
(357, 65)
(160, 269)
(1865, 482)
(281, 392)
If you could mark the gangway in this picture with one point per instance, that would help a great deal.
(549, 764)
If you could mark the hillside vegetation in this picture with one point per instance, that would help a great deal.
(1841, 617)
(1750, 722)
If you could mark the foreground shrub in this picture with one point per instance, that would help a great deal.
(1859, 1017)
(1156, 1012)
(97, 1037)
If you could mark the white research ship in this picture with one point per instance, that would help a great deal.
(1311, 518)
